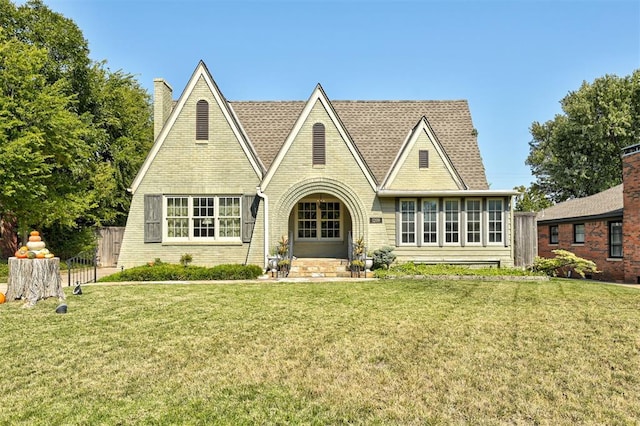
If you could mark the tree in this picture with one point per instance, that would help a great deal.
(72, 133)
(531, 199)
(578, 152)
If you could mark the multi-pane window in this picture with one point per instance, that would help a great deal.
(495, 210)
(451, 221)
(330, 219)
(578, 233)
(407, 221)
(553, 234)
(615, 239)
(430, 221)
(307, 220)
(474, 215)
(178, 217)
(202, 120)
(203, 218)
(322, 215)
(229, 217)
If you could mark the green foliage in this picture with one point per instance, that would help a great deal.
(563, 262)
(160, 271)
(358, 248)
(383, 257)
(578, 152)
(410, 269)
(186, 259)
(531, 199)
(72, 135)
(282, 248)
(4, 270)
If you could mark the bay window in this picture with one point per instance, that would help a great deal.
(495, 210)
(202, 218)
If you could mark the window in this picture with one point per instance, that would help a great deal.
(423, 159)
(202, 218)
(430, 221)
(202, 120)
(615, 239)
(408, 221)
(578, 233)
(319, 155)
(322, 215)
(553, 234)
(495, 220)
(474, 212)
(451, 221)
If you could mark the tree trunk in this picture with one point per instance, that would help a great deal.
(34, 279)
(8, 236)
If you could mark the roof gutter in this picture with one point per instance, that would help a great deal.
(266, 224)
(448, 193)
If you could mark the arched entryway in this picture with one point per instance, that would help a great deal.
(320, 225)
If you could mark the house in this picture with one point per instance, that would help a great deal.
(225, 180)
(604, 227)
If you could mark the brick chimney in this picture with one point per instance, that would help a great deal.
(631, 220)
(162, 104)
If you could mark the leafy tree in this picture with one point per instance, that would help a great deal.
(531, 199)
(72, 133)
(578, 152)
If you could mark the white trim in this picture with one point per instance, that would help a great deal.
(466, 222)
(502, 222)
(318, 220)
(415, 223)
(438, 224)
(446, 193)
(317, 95)
(407, 146)
(200, 71)
(444, 223)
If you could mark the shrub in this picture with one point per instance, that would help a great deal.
(383, 257)
(171, 272)
(563, 262)
(409, 269)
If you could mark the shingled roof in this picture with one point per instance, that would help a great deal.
(605, 203)
(378, 129)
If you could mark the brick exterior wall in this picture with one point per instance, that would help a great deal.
(595, 246)
(631, 226)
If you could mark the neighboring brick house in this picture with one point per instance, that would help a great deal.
(225, 180)
(604, 227)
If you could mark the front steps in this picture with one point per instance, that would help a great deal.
(320, 267)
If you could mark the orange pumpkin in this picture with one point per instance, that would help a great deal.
(34, 233)
(39, 255)
(35, 238)
(2, 298)
(21, 254)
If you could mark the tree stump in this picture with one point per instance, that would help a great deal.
(34, 279)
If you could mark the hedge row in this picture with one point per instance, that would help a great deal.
(170, 272)
(411, 269)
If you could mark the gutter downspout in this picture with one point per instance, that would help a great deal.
(266, 224)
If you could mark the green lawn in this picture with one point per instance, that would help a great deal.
(380, 352)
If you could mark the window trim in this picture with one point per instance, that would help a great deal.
(415, 222)
(190, 238)
(421, 219)
(458, 221)
(575, 234)
(552, 234)
(502, 231)
(479, 221)
(609, 239)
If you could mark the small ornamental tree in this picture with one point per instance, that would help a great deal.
(564, 261)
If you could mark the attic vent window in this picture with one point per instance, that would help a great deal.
(319, 155)
(423, 159)
(202, 120)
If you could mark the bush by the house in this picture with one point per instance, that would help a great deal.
(410, 269)
(564, 262)
(383, 257)
(160, 271)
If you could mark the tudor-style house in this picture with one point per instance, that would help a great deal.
(225, 180)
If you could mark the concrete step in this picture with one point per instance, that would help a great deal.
(319, 268)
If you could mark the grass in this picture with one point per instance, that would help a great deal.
(384, 352)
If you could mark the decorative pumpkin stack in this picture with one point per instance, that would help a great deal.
(35, 248)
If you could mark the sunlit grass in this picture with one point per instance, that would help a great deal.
(325, 353)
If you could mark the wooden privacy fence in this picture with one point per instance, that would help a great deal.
(109, 241)
(525, 238)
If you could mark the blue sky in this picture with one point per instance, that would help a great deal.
(512, 60)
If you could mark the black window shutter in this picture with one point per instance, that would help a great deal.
(319, 156)
(250, 203)
(423, 161)
(152, 218)
(202, 120)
